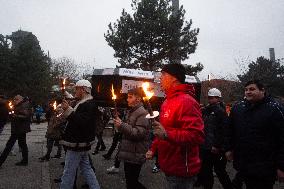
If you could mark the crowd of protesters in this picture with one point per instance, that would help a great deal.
(190, 142)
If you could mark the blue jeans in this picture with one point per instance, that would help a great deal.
(73, 160)
(180, 182)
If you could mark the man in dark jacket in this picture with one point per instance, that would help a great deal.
(20, 125)
(3, 112)
(79, 136)
(255, 138)
(135, 138)
(212, 150)
(180, 130)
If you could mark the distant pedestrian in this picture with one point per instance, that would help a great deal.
(20, 125)
(54, 132)
(255, 138)
(38, 113)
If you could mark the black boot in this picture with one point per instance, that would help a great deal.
(22, 163)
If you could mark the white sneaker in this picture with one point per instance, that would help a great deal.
(112, 170)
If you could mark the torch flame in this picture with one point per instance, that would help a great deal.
(112, 92)
(10, 105)
(63, 83)
(54, 105)
(148, 93)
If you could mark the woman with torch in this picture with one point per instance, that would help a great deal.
(135, 138)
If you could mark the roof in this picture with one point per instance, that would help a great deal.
(137, 73)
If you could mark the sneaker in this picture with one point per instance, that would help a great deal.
(155, 169)
(106, 156)
(112, 170)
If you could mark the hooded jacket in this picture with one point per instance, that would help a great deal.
(181, 117)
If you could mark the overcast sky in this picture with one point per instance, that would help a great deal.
(229, 29)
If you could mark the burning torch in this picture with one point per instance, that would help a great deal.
(114, 102)
(152, 114)
(54, 105)
(63, 84)
(11, 107)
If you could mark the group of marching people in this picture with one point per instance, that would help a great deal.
(190, 142)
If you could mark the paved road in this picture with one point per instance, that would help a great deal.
(40, 175)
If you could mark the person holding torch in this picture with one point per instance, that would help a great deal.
(79, 135)
(135, 138)
(180, 130)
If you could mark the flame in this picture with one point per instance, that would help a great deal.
(148, 93)
(63, 83)
(112, 92)
(10, 105)
(54, 105)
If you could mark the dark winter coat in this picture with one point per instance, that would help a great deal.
(55, 127)
(21, 118)
(215, 118)
(256, 136)
(80, 131)
(135, 136)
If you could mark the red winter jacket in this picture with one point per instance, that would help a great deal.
(181, 117)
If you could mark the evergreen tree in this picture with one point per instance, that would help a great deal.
(152, 36)
(29, 68)
(271, 73)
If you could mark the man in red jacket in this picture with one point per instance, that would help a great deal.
(180, 130)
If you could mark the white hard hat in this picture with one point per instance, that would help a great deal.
(83, 83)
(214, 92)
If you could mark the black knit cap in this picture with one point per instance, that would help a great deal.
(176, 70)
(137, 91)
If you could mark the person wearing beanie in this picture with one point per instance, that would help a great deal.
(179, 131)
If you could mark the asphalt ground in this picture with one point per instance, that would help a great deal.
(38, 175)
